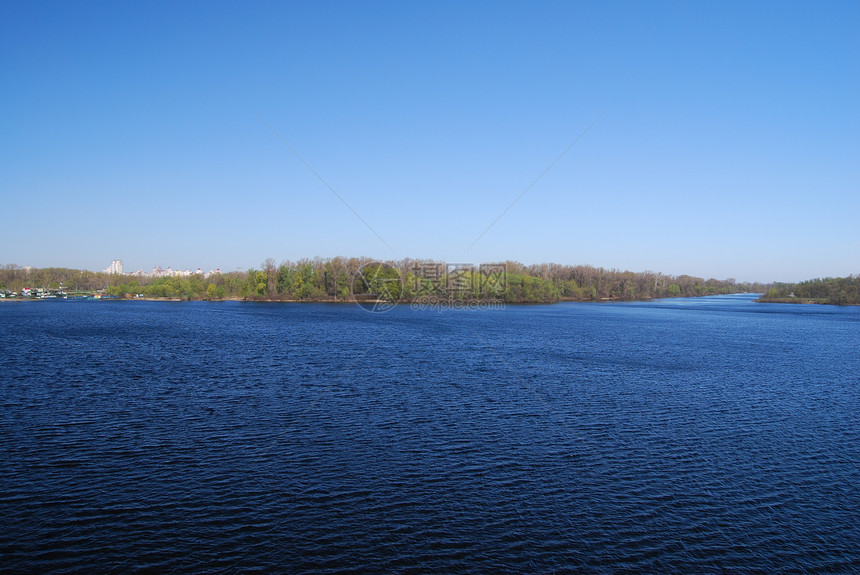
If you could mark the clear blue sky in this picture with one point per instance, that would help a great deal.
(728, 143)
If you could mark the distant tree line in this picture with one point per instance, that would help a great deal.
(14, 278)
(838, 291)
(340, 279)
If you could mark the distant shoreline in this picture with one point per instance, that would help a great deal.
(408, 302)
(440, 301)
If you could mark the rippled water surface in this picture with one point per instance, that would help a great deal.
(688, 435)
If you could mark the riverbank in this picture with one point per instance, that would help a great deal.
(806, 301)
(410, 301)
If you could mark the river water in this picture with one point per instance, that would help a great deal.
(683, 435)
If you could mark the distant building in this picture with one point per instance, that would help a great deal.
(160, 272)
(115, 267)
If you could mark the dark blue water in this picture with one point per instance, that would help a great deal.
(702, 435)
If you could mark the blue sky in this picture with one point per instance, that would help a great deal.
(727, 143)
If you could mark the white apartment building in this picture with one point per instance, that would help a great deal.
(115, 267)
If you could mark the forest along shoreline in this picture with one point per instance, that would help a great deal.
(340, 280)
